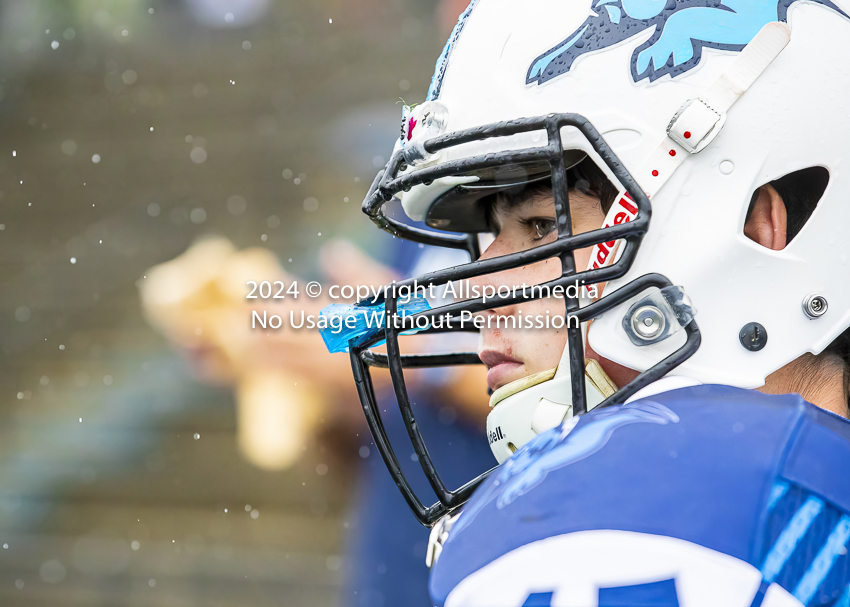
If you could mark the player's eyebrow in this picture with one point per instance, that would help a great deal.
(513, 203)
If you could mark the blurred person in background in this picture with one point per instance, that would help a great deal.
(131, 128)
(289, 392)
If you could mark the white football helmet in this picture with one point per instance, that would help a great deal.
(688, 108)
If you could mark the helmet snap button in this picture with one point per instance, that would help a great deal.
(753, 336)
(814, 305)
(648, 322)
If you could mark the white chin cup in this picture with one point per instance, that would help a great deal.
(529, 406)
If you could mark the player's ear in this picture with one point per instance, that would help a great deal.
(767, 219)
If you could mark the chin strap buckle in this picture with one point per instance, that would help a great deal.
(695, 125)
(438, 537)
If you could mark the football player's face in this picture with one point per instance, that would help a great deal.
(513, 353)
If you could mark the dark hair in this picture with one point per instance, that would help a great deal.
(585, 177)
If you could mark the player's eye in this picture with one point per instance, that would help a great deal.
(541, 227)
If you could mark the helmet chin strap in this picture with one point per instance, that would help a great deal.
(536, 403)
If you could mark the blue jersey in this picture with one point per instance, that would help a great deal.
(708, 495)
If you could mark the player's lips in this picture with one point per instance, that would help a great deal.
(501, 368)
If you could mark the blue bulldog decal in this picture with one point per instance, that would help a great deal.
(682, 28)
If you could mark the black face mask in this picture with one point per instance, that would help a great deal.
(506, 166)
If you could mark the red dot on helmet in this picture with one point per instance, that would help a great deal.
(655, 173)
(687, 134)
(672, 152)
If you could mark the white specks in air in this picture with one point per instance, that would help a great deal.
(5, 546)
(286, 174)
(151, 129)
(364, 452)
(152, 582)
(54, 45)
(2, 226)
(73, 260)
(255, 514)
(197, 436)
(29, 204)
(264, 237)
(100, 241)
(247, 507)
(311, 205)
(322, 469)
(356, 180)
(296, 181)
(19, 584)
(345, 199)
(81, 420)
(198, 215)
(125, 33)
(198, 155)
(153, 209)
(236, 205)
(225, 510)
(14, 153)
(129, 76)
(61, 346)
(107, 380)
(96, 158)
(246, 45)
(330, 20)
(69, 147)
(150, 11)
(232, 82)
(228, 18)
(319, 234)
(135, 545)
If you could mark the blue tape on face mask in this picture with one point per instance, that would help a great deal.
(362, 323)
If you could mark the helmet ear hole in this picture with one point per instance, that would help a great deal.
(801, 191)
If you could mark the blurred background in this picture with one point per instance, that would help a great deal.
(129, 129)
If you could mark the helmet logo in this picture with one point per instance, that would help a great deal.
(682, 29)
